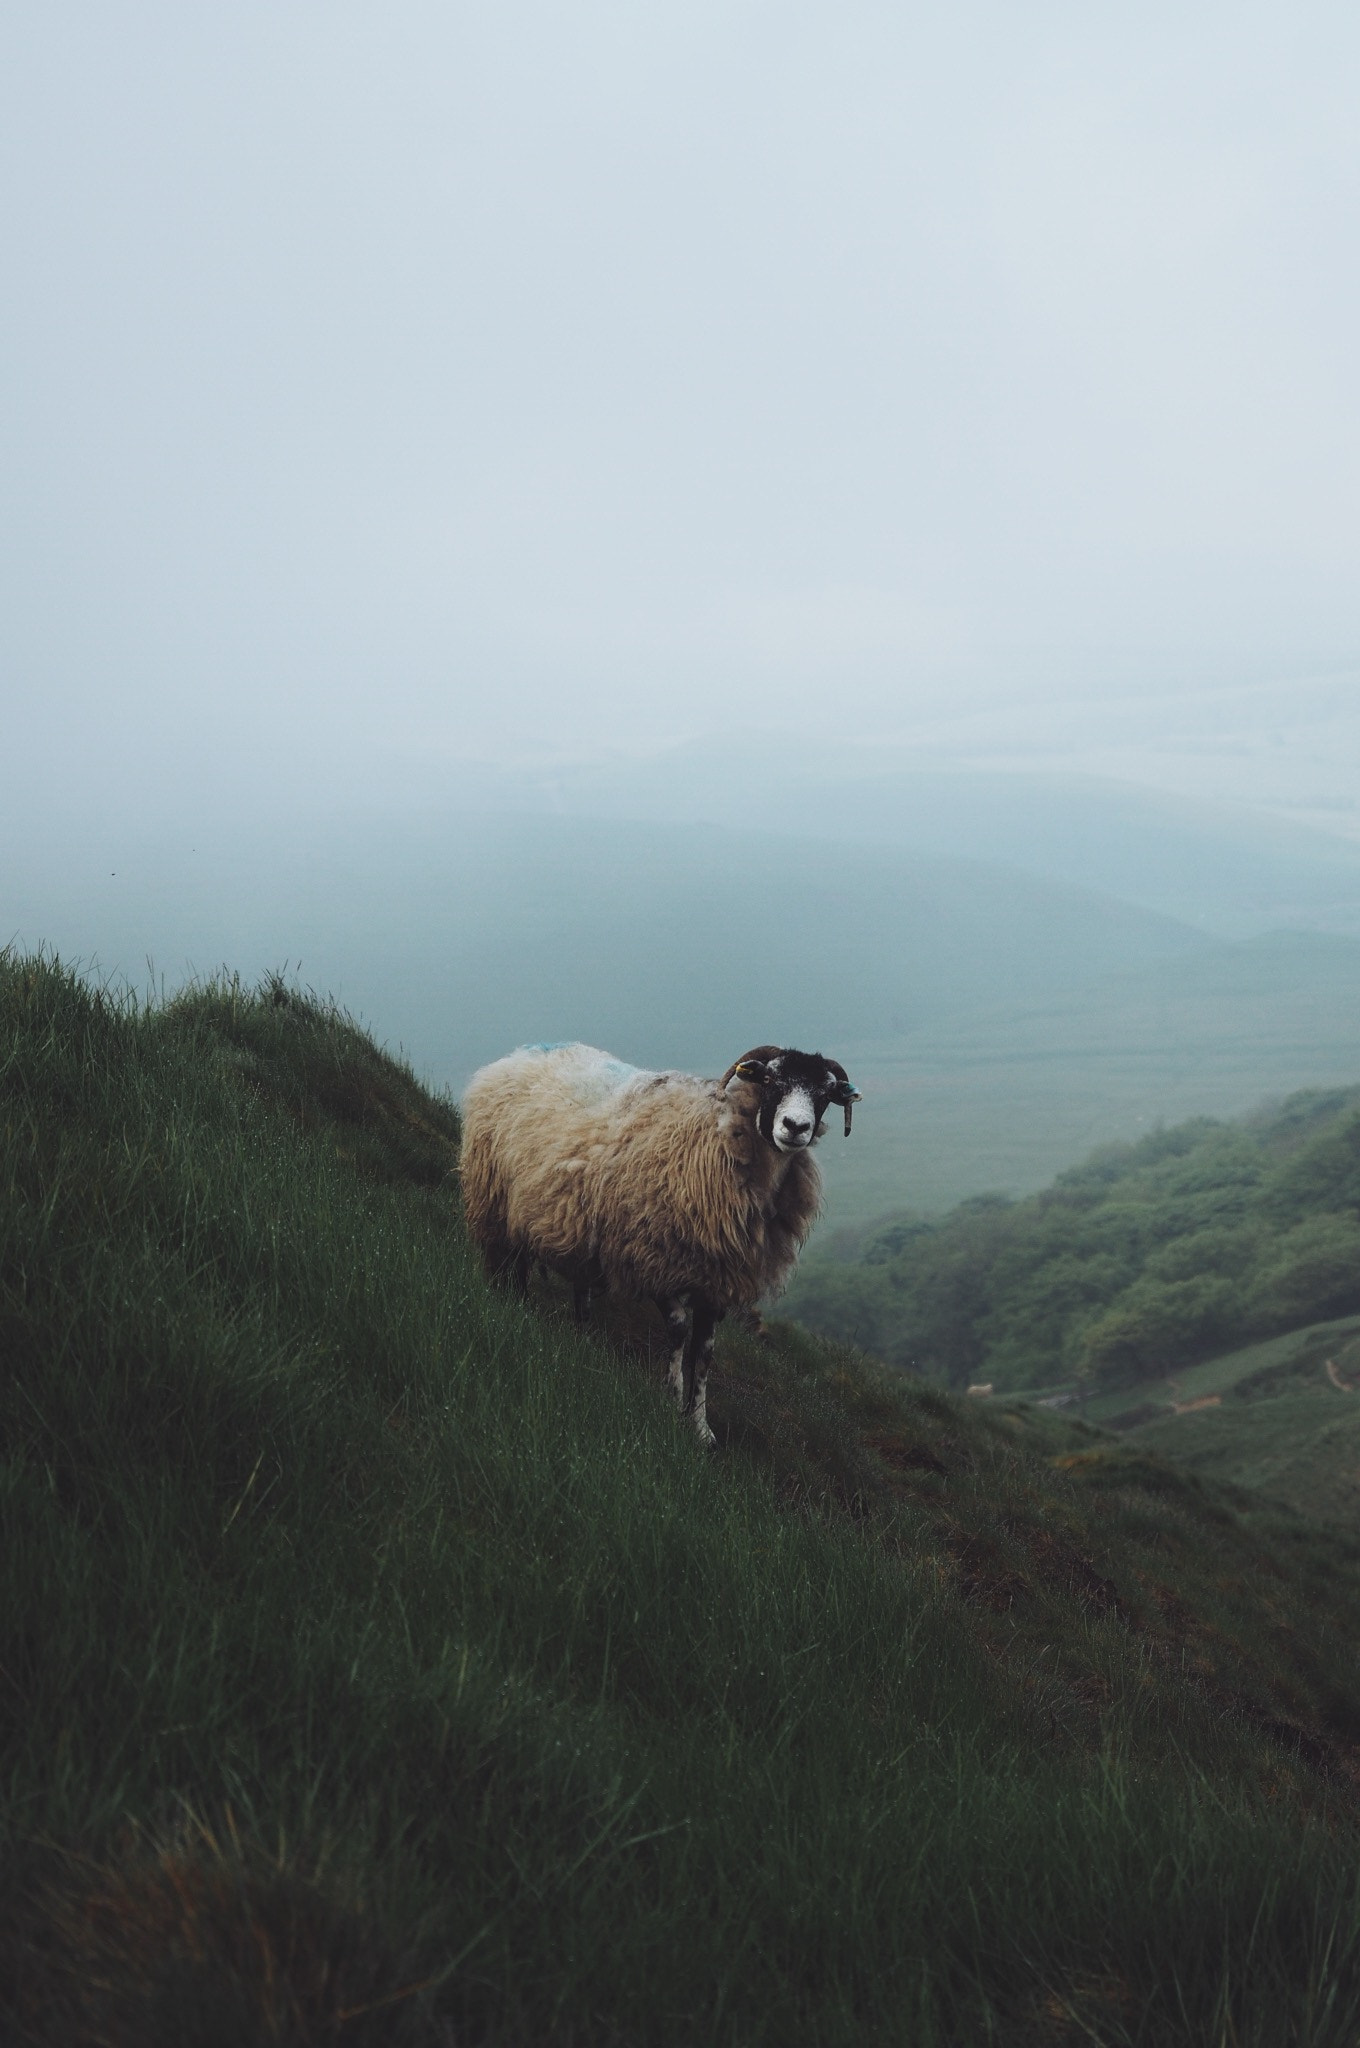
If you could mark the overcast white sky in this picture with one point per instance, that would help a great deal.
(438, 378)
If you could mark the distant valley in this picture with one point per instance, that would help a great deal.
(1001, 1019)
(1003, 1098)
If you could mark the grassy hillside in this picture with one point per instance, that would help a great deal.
(382, 1662)
(1141, 1261)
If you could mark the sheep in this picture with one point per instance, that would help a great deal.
(695, 1194)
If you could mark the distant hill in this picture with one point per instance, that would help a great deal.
(1000, 1023)
(1226, 869)
(673, 946)
(1142, 1260)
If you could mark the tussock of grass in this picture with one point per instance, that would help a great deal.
(194, 1934)
(382, 1661)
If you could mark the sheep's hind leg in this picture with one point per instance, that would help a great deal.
(706, 1321)
(675, 1309)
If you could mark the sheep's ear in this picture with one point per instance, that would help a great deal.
(751, 1066)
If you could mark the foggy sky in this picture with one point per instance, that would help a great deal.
(384, 384)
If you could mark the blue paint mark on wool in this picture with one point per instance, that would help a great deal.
(594, 1076)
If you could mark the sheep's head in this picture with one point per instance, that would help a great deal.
(796, 1088)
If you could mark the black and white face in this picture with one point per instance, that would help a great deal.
(795, 1090)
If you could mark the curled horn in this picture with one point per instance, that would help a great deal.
(757, 1052)
(845, 1094)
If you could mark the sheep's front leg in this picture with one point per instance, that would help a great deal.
(584, 1281)
(508, 1263)
(706, 1321)
(675, 1308)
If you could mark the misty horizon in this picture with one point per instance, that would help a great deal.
(919, 450)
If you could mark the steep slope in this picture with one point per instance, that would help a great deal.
(381, 1663)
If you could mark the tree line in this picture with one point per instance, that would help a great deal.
(1141, 1260)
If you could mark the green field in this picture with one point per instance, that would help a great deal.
(1302, 1355)
(1281, 1417)
(382, 1661)
(1281, 1423)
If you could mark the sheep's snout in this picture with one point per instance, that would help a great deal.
(794, 1121)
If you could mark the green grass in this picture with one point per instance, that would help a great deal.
(381, 1661)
